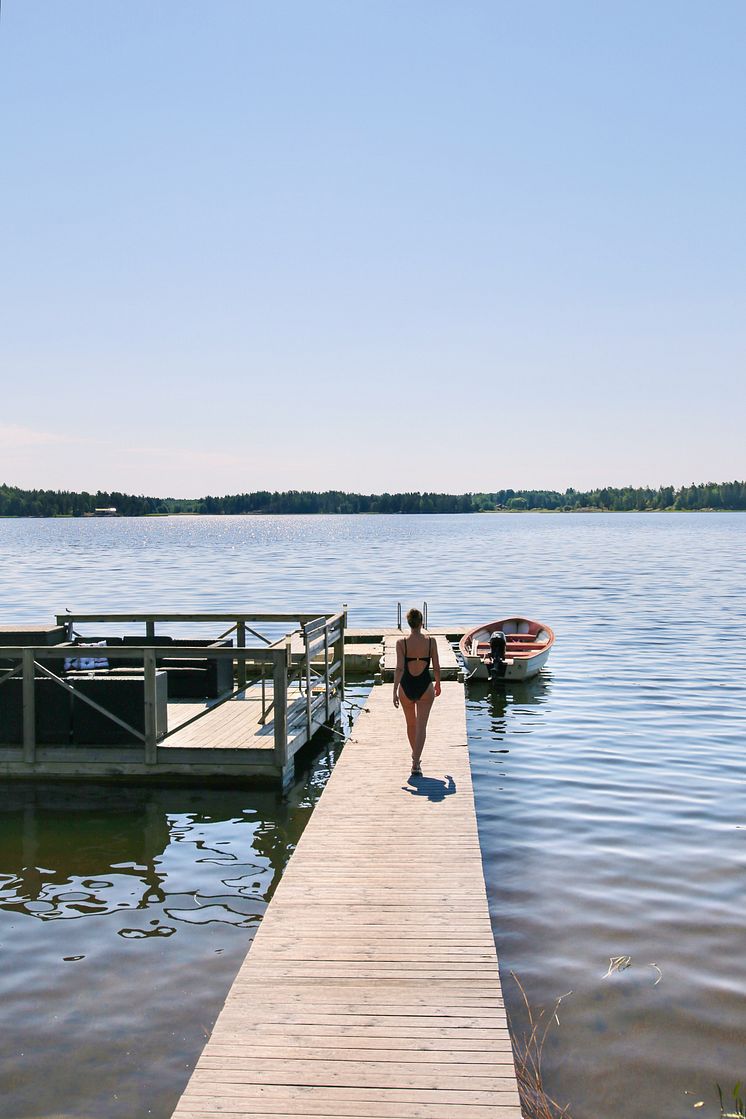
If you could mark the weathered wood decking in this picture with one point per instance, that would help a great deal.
(372, 987)
(235, 724)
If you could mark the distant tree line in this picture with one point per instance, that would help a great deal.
(16, 502)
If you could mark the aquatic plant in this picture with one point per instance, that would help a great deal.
(528, 1049)
(738, 1103)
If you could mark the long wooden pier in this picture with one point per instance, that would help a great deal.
(372, 985)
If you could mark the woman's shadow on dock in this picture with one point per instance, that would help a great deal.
(431, 787)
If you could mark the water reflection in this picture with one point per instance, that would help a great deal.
(494, 706)
(71, 852)
(496, 699)
(101, 851)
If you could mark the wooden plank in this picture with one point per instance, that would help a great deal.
(367, 952)
(309, 1103)
(462, 1021)
(372, 987)
(340, 1077)
(251, 1109)
(248, 1109)
(404, 999)
(419, 1048)
(381, 949)
(405, 1034)
(259, 1055)
(295, 1092)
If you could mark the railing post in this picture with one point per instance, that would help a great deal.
(149, 630)
(342, 652)
(280, 700)
(398, 615)
(424, 615)
(308, 687)
(241, 644)
(151, 730)
(326, 666)
(29, 707)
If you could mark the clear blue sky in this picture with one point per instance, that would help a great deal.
(368, 245)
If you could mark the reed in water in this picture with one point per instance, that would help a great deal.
(528, 1049)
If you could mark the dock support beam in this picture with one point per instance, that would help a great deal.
(29, 708)
(287, 776)
(280, 703)
(241, 644)
(151, 730)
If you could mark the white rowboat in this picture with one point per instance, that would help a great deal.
(527, 648)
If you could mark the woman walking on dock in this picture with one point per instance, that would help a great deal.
(413, 686)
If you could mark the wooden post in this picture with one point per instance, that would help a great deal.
(342, 652)
(151, 730)
(326, 666)
(29, 707)
(149, 630)
(241, 643)
(308, 689)
(280, 699)
(338, 654)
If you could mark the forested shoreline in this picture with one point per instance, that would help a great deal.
(16, 502)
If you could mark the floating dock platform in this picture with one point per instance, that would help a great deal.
(119, 707)
(372, 987)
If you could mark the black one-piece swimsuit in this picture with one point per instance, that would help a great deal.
(416, 686)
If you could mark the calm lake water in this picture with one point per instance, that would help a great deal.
(609, 797)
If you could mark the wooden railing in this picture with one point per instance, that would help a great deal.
(318, 633)
(323, 635)
(239, 624)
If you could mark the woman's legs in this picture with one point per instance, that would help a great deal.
(410, 714)
(417, 712)
(423, 706)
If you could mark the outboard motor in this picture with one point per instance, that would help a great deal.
(498, 647)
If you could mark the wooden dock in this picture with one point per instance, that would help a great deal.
(372, 986)
(266, 700)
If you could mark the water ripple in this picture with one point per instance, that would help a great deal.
(609, 797)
